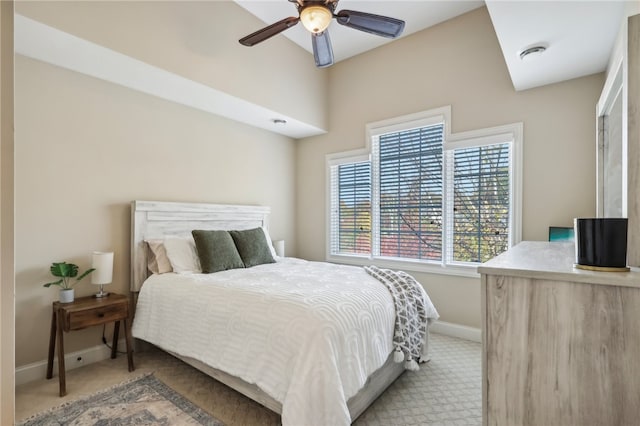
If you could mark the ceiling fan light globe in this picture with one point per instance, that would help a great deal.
(316, 18)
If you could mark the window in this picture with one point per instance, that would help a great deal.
(480, 202)
(409, 182)
(423, 197)
(353, 208)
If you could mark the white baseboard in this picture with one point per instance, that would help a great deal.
(456, 330)
(38, 370)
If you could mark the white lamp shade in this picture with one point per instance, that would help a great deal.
(103, 263)
(278, 246)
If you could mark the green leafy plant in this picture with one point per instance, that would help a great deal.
(66, 271)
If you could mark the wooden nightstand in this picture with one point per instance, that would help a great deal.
(86, 312)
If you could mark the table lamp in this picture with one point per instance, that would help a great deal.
(103, 264)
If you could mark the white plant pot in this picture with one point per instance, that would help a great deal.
(67, 295)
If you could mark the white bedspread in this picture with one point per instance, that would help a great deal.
(307, 333)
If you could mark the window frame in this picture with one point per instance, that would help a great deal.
(509, 133)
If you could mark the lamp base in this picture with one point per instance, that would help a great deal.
(101, 293)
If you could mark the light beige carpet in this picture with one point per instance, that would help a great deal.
(446, 391)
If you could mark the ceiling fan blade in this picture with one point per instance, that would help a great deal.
(375, 24)
(268, 32)
(322, 52)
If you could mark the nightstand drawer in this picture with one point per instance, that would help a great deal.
(96, 316)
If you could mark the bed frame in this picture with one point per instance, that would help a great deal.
(153, 219)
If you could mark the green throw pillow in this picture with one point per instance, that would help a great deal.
(216, 251)
(252, 246)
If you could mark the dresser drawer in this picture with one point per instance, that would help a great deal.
(96, 316)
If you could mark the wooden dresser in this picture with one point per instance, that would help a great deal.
(561, 346)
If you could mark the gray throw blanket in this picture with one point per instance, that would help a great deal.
(414, 311)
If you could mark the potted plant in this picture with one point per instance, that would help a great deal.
(66, 271)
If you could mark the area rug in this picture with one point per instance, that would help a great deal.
(141, 401)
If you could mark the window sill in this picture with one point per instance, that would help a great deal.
(461, 270)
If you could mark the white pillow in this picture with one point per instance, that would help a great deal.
(182, 254)
(269, 242)
(157, 260)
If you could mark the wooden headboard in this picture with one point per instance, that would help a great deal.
(156, 219)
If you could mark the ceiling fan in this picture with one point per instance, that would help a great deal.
(316, 16)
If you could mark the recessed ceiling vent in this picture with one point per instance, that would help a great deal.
(532, 52)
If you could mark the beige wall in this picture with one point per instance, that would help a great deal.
(7, 319)
(199, 40)
(458, 63)
(86, 148)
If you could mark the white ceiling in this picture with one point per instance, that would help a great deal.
(579, 35)
(36, 40)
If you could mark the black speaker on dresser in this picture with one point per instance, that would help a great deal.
(601, 244)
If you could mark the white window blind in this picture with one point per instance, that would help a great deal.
(351, 208)
(424, 199)
(409, 184)
(479, 202)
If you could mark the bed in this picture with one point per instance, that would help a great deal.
(305, 339)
